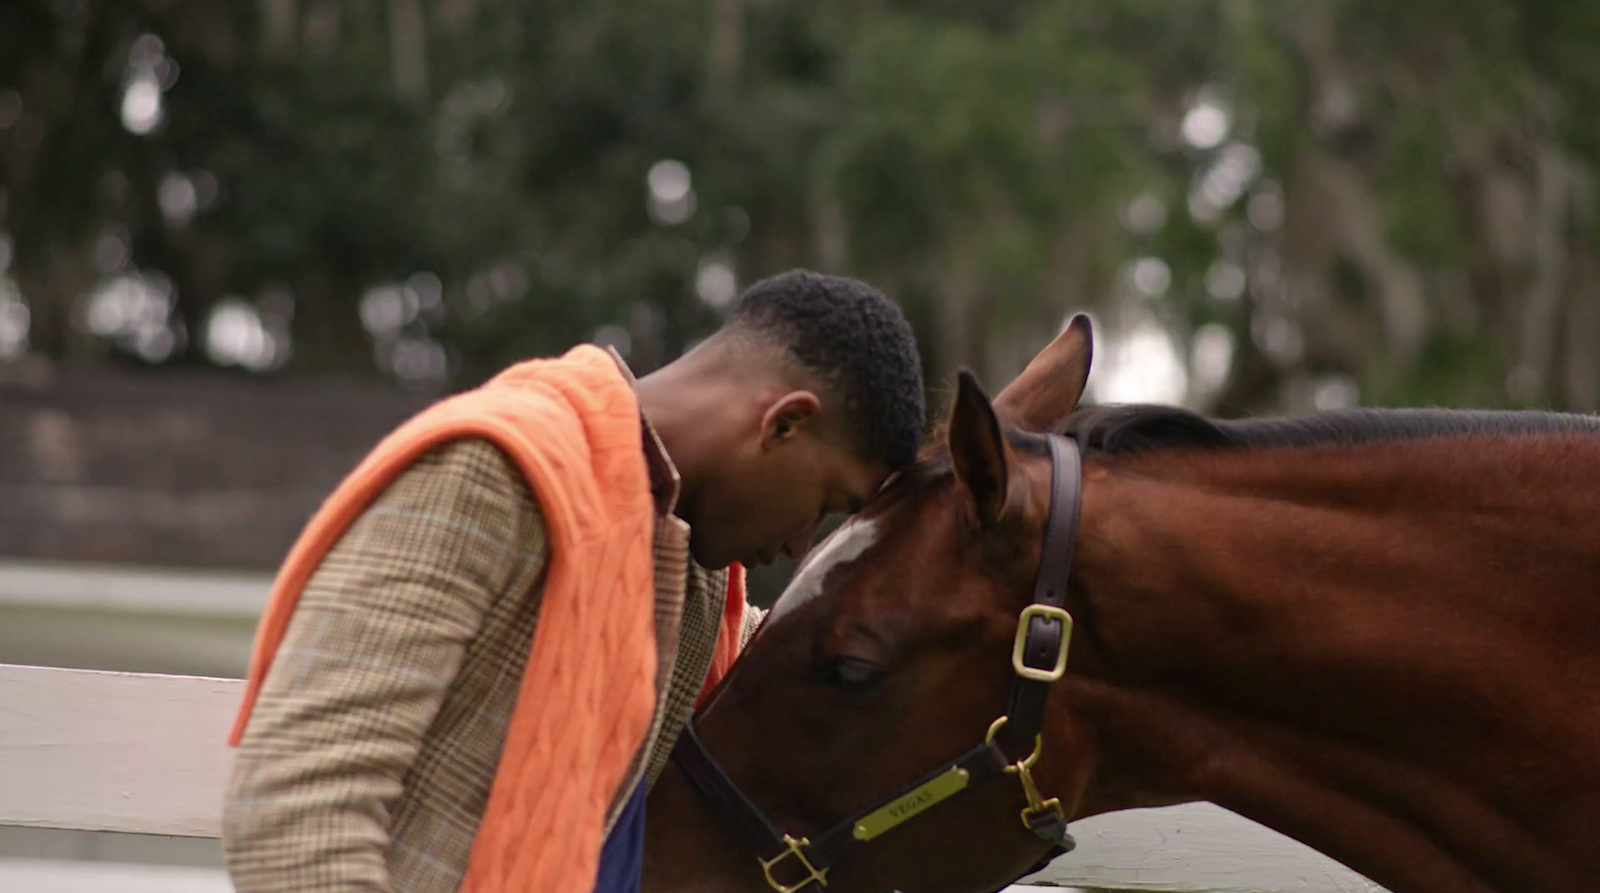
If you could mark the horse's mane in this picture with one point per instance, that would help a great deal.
(1127, 429)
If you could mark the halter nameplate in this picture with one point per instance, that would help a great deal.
(913, 803)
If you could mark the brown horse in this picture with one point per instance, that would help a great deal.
(1376, 632)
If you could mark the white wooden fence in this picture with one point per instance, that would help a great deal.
(132, 752)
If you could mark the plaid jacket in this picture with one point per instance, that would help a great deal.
(369, 757)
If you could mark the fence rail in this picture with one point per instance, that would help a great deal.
(144, 753)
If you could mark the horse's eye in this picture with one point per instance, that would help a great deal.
(851, 673)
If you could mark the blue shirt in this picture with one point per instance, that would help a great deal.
(622, 856)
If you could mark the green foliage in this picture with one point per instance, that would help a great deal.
(949, 151)
(1457, 369)
(1414, 181)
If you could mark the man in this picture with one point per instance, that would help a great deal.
(484, 646)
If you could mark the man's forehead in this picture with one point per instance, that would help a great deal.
(867, 480)
(870, 488)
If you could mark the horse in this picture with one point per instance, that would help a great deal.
(1377, 632)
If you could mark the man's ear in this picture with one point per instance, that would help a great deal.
(788, 416)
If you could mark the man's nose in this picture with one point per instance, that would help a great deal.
(800, 544)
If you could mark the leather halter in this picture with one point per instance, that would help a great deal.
(1039, 658)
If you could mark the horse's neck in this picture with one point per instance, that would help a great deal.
(1389, 652)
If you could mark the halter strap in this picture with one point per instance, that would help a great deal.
(1043, 640)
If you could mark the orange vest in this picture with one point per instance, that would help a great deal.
(572, 426)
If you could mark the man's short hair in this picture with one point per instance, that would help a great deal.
(858, 343)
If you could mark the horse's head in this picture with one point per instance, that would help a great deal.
(888, 657)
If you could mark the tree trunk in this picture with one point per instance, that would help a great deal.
(727, 45)
(408, 41)
(52, 286)
(962, 332)
(1541, 303)
(279, 21)
(1581, 389)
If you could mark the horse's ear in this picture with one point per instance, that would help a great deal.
(978, 450)
(1043, 395)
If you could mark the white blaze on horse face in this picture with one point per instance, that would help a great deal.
(846, 545)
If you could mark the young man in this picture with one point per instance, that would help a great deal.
(484, 646)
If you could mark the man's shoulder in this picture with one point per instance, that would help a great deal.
(470, 454)
(471, 474)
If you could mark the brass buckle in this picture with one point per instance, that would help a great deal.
(1023, 769)
(796, 848)
(1049, 612)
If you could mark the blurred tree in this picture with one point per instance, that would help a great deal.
(1270, 206)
